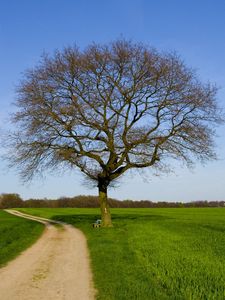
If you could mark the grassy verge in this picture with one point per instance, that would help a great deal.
(16, 234)
(154, 253)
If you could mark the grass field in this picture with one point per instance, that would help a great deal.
(154, 253)
(16, 234)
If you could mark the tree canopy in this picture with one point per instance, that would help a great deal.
(111, 108)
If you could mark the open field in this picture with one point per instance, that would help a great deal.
(16, 234)
(154, 253)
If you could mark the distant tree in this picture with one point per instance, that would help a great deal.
(109, 109)
(10, 201)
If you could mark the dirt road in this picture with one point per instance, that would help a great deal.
(55, 267)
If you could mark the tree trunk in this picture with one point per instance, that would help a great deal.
(105, 211)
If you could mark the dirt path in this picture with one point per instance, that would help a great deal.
(55, 267)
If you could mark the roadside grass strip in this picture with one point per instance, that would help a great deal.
(16, 235)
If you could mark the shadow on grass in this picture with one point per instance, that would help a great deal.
(214, 228)
(89, 219)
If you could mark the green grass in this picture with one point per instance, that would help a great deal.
(16, 234)
(154, 253)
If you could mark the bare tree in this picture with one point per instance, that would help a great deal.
(109, 109)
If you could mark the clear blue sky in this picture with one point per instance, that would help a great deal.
(195, 29)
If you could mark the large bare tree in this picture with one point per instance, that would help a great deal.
(109, 109)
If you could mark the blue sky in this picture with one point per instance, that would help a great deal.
(195, 29)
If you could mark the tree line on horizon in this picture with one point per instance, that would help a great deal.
(89, 201)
